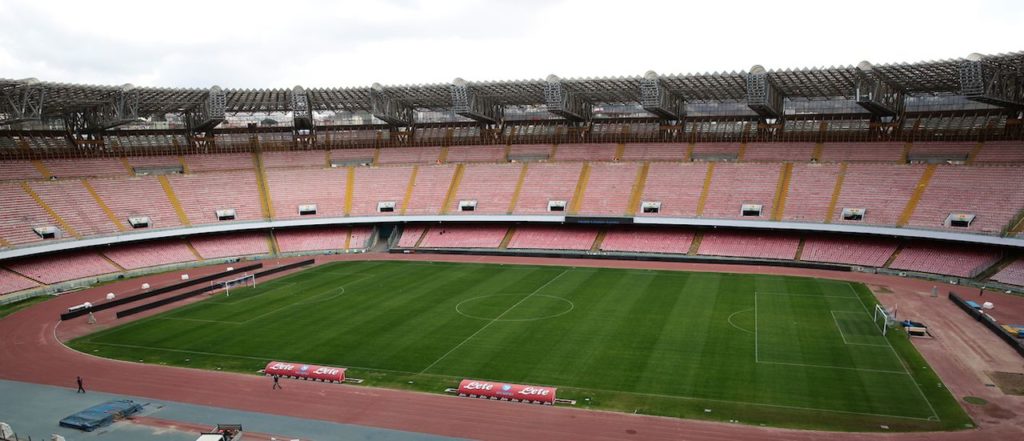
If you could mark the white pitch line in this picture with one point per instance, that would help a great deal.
(494, 320)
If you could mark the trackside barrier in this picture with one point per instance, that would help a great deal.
(158, 291)
(507, 391)
(989, 323)
(284, 268)
(306, 371)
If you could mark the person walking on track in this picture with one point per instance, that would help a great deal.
(277, 384)
(81, 390)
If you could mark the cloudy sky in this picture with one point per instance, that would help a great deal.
(248, 44)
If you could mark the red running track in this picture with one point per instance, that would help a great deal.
(31, 352)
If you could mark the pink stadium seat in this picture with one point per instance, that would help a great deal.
(291, 187)
(654, 152)
(73, 203)
(715, 149)
(1012, 274)
(360, 237)
(733, 185)
(142, 196)
(147, 254)
(750, 244)
(308, 158)
(376, 184)
(882, 189)
(13, 282)
(609, 188)
(1001, 151)
(530, 149)
(491, 185)
(430, 189)
(810, 192)
(154, 161)
(585, 152)
(476, 153)
(64, 266)
(553, 237)
(312, 239)
(942, 148)
(352, 154)
(860, 251)
(409, 155)
(677, 186)
(547, 182)
(673, 241)
(10, 170)
(231, 245)
(798, 151)
(464, 236)
(866, 152)
(201, 195)
(19, 214)
(86, 167)
(986, 191)
(219, 162)
(410, 235)
(950, 259)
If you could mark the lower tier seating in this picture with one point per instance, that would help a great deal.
(1012, 274)
(553, 238)
(750, 244)
(939, 259)
(464, 236)
(229, 245)
(848, 250)
(71, 265)
(146, 254)
(410, 235)
(648, 241)
(12, 282)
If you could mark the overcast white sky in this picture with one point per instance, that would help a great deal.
(256, 44)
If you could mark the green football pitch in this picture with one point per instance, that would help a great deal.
(757, 349)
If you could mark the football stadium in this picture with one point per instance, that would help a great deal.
(779, 252)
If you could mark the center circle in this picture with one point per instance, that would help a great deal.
(504, 307)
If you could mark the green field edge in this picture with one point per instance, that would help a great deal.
(950, 413)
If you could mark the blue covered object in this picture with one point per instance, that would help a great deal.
(101, 415)
(972, 304)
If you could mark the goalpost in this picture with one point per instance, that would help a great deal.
(887, 318)
(246, 280)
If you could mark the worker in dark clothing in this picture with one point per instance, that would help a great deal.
(81, 390)
(277, 384)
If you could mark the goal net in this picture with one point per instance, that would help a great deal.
(884, 319)
(228, 285)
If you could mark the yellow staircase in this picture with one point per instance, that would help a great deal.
(974, 153)
(620, 150)
(423, 235)
(42, 168)
(348, 239)
(742, 151)
(128, 167)
(508, 238)
(53, 214)
(409, 188)
(893, 257)
(581, 189)
(554, 150)
(835, 194)
(106, 210)
(922, 185)
(782, 191)
(519, 188)
(453, 188)
(443, 157)
(173, 199)
(272, 243)
(350, 184)
(906, 152)
(638, 190)
(111, 261)
(184, 165)
(799, 249)
(706, 189)
(4, 242)
(261, 183)
(597, 241)
(695, 245)
(819, 148)
(194, 251)
(376, 156)
(689, 152)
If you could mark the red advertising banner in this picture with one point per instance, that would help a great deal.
(305, 371)
(506, 391)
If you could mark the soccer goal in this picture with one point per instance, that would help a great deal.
(884, 319)
(246, 280)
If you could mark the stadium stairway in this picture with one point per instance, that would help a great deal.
(581, 188)
(894, 255)
(519, 188)
(830, 214)
(638, 189)
(50, 211)
(173, 198)
(695, 245)
(919, 190)
(266, 206)
(781, 191)
(409, 189)
(706, 189)
(508, 238)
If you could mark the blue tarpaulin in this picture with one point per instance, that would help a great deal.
(101, 415)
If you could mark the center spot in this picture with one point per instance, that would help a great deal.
(535, 307)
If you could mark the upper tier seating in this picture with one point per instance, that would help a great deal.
(490, 185)
(312, 239)
(725, 150)
(409, 155)
(85, 167)
(547, 182)
(953, 149)
(229, 245)
(203, 194)
(654, 152)
(1001, 151)
(882, 189)
(609, 188)
(142, 196)
(797, 151)
(291, 187)
(430, 189)
(648, 240)
(677, 186)
(464, 236)
(308, 158)
(410, 235)
(939, 259)
(1012, 274)
(553, 237)
(19, 213)
(155, 161)
(476, 153)
(11, 170)
(73, 203)
(810, 191)
(63, 266)
(219, 162)
(585, 152)
(146, 254)
(988, 192)
(860, 251)
(12, 282)
(866, 152)
(733, 185)
(751, 244)
(529, 150)
(377, 184)
(352, 154)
